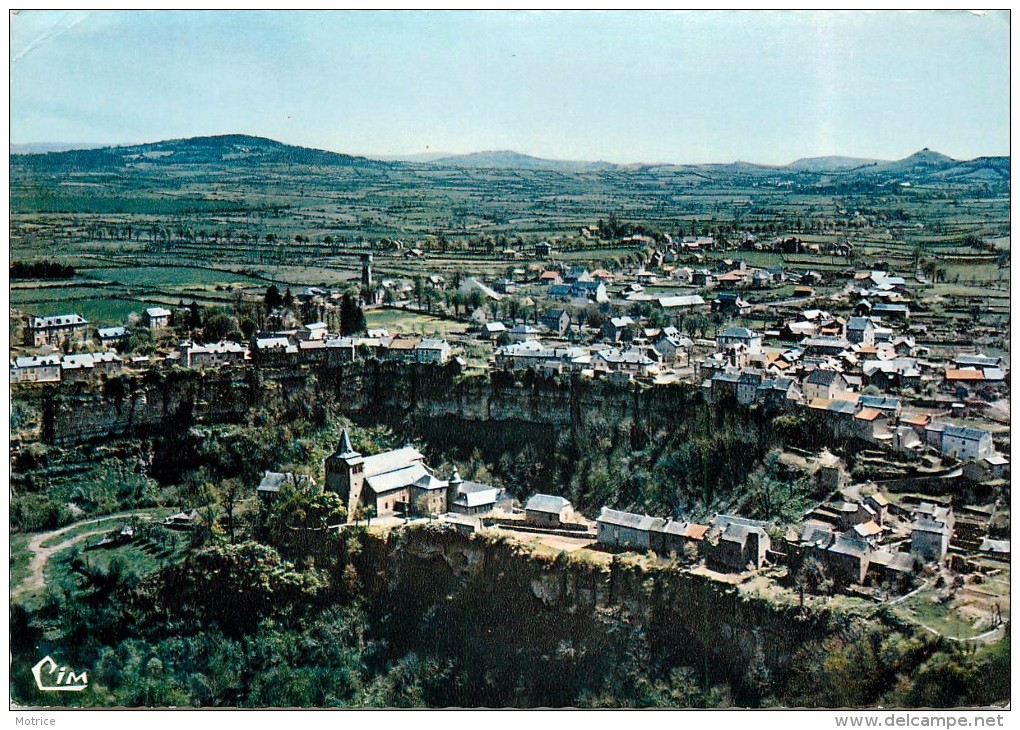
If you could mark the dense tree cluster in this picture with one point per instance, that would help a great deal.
(41, 270)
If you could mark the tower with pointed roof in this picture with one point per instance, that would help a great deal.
(453, 490)
(345, 473)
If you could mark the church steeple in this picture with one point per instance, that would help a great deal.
(344, 449)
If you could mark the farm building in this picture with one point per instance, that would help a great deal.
(548, 510)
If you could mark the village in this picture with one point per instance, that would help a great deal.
(858, 357)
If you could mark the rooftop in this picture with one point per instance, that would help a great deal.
(631, 520)
(546, 503)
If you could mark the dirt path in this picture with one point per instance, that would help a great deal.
(986, 638)
(35, 580)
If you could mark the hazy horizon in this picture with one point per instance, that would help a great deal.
(768, 87)
(397, 156)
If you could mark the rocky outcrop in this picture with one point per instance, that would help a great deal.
(690, 614)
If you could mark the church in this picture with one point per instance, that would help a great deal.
(398, 482)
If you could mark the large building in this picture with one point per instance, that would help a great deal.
(382, 481)
(56, 331)
(398, 482)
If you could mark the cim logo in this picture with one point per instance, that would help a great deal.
(58, 679)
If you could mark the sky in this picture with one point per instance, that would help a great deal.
(639, 86)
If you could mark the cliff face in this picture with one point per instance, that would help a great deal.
(381, 392)
(538, 602)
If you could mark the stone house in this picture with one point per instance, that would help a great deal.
(109, 336)
(428, 495)
(747, 385)
(156, 317)
(212, 355)
(632, 361)
(673, 347)
(733, 336)
(84, 366)
(723, 383)
(547, 510)
(524, 333)
(36, 369)
(626, 529)
(313, 331)
(879, 505)
(556, 320)
(492, 330)
(735, 544)
(929, 539)
(730, 302)
(435, 351)
(617, 328)
(778, 393)
(960, 442)
(472, 498)
(847, 559)
(674, 536)
(272, 482)
(836, 415)
(873, 426)
(824, 384)
(860, 330)
(56, 331)
(403, 349)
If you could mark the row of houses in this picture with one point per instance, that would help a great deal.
(56, 368)
(730, 543)
(61, 330)
(845, 538)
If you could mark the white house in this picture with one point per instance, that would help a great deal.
(966, 443)
(432, 351)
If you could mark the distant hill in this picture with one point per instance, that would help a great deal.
(831, 163)
(239, 152)
(228, 150)
(924, 162)
(38, 148)
(416, 157)
(508, 159)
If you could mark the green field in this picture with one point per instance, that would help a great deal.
(97, 310)
(955, 616)
(141, 557)
(399, 321)
(167, 276)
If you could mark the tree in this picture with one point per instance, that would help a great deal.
(513, 309)
(352, 317)
(255, 577)
(432, 296)
(230, 495)
(248, 327)
(419, 289)
(194, 316)
(218, 324)
(273, 298)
